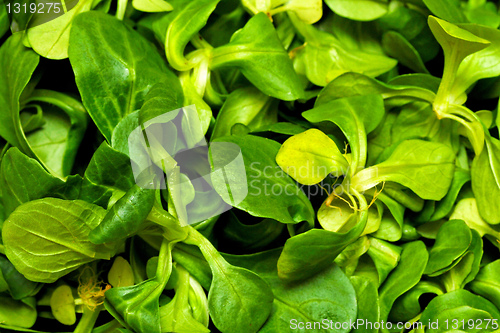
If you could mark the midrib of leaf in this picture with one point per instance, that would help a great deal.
(297, 309)
(117, 108)
(98, 107)
(242, 53)
(492, 161)
(68, 23)
(489, 283)
(67, 266)
(132, 75)
(12, 190)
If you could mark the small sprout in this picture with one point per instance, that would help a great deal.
(62, 304)
(121, 274)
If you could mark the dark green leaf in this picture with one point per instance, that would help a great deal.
(263, 176)
(328, 295)
(107, 54)
(125, 217)
(257, 51)
(46, 239)
(404, 277)
(307, 254)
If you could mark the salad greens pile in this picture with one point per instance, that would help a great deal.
(369, 134)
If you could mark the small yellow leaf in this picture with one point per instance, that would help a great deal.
(121, 274)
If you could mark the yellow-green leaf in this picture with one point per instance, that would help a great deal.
(62, 304)
(309, 157)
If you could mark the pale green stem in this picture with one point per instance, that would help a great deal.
(87, 322)
(163, 258)
(63, 3)
(451, 64)
(121, 8)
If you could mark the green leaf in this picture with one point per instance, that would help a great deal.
(257, 51)
(417, 120)
(4, 21)
(177, 315)
(263, 176)
(486, 283)
(337, 215)
(414, 164)
(404, 277)
(354, 84)
(125, 217)
(323, 57)
(23, 179)
(452, 241)
(309, 11)
(247, 106)
(349, 258)
(18, 286)
(162, 99)
(408, 306)
(110, 168)
(137, 305)
(467, 210)
(485, 175)
(359, 10)
(460, 305)
(17, 64)
(121, 274)
(51, 39)
(251, 236)
(391, 224)
(20, 314)
(309, 157)
(309, 253)
(115, 67)
(457, 44)
(411, 23)
(484, 12)
(479, 65)
(328, 293)
(445, 206)
(46, 239)
(448, 10)
(185, 21)
(355, 116)
(119, 139)
(468, 267)
(238, 300)
(56, 143)
(192, 97)
(62, 305)
(367, 300)
(385, 256)
(397, 46)
(152, 6)
(192, 259)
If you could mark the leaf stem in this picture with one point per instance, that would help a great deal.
(121, 8)
(213, 257)
(109, 327)
(87, 322)
(2, 249)
(163, 259)
(451, 64)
